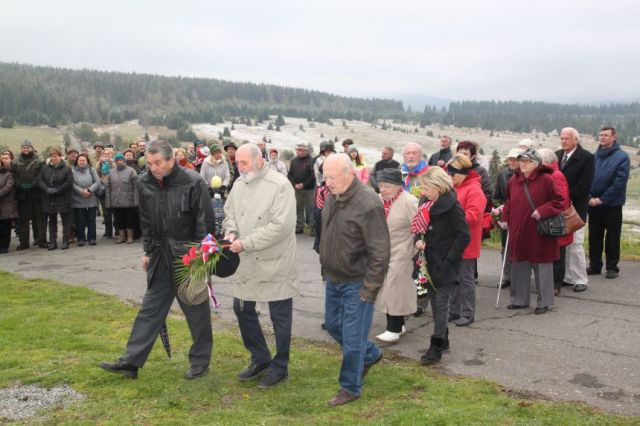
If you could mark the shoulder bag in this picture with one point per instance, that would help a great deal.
(550, 227)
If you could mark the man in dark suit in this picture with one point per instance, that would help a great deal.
(577, 165)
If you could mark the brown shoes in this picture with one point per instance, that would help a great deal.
(341, 398)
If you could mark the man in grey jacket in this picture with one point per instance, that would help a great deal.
(260, 221)
(354, 254)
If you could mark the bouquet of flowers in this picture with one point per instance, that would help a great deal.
(193, 271)
(416, 191)
(423, 279)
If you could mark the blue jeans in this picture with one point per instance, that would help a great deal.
(348, 321)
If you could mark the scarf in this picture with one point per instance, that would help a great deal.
(387, 203)
(419, 169)
(420, 221)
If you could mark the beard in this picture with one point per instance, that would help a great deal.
(249, 176)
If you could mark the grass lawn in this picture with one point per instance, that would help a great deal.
(41, 136)
(55, 334)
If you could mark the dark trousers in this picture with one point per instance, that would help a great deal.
(52, 218)
(155, 306)
(559, 268)
(305, 205)
(281, 312)
(5, 233)
(605, 224)
(31, 210)
(125, 217)
(440, 306)
(395, 323)
(86, 223)
(107, 215)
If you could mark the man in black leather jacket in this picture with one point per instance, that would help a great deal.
(175, 211)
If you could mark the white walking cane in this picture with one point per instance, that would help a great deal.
(504, 260)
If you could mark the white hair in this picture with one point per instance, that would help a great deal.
(573, 132)
(547, 156)
(412, 144)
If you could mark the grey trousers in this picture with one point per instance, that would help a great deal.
(521, 283)
(440, 307)
(155, 306)
(305, 206)
(463, 296)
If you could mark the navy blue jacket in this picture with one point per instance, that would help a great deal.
(611, 175)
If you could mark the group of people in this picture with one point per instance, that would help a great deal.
(384, 236)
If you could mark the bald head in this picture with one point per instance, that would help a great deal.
(338, 173)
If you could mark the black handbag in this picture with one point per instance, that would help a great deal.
(550, 227)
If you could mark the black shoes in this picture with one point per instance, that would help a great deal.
(92, 242)
(271, 379)
(591, 271)
(21, 247)
(80, 243)
(120, 367)
(579, 288)
(196, 371)
(367, 367)
(505, 284)
(434, 353)
(611, 274)
(252, 372)
(517, 306)
(53, 245)
(419, 312)
(542, 310)
(65, 244)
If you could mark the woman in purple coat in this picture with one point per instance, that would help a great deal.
(529, 250)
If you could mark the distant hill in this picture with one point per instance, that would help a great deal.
(417, 102)
(46, 95)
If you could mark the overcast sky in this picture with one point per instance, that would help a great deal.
(542, 50)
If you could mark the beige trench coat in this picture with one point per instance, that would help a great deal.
(398, 294)
(263, 214)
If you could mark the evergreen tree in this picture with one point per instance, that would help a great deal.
(226, 133)
(280, 120)
(494, 165)
(7, 123)
(277, 127)
(146, 137)
(270, 126)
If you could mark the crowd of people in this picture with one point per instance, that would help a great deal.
(394, 236)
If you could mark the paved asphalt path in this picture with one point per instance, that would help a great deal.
(586, 349)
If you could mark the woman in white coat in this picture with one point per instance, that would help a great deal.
(398, 295)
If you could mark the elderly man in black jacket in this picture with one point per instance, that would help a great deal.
(354, 254)
(175, 211)
(577, 165)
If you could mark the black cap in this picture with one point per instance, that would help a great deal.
(227, 263)
(392, 176)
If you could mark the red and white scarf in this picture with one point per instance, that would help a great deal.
(420, 221)
(387, 203)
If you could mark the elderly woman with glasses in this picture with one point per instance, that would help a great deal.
(528, 250)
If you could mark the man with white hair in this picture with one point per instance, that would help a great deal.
(260, 220)
(414, 165)
(354, 254)
(577, 165)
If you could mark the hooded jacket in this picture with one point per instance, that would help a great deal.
(525, 244)
(473, 201)
(56, 184)
(212, 167)
(277, 165)
(611, 175)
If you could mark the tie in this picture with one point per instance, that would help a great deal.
(564, 160)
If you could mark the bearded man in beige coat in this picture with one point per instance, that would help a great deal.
(260, 221)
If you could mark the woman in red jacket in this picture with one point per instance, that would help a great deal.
(549, 158)
(468, 186)
(529, 250)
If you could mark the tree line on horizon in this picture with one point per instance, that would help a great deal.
(40, 95)
(530, 116)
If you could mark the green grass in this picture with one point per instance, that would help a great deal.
(55, 334)
(41, 137)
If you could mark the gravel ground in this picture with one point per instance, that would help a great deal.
(21, 401)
